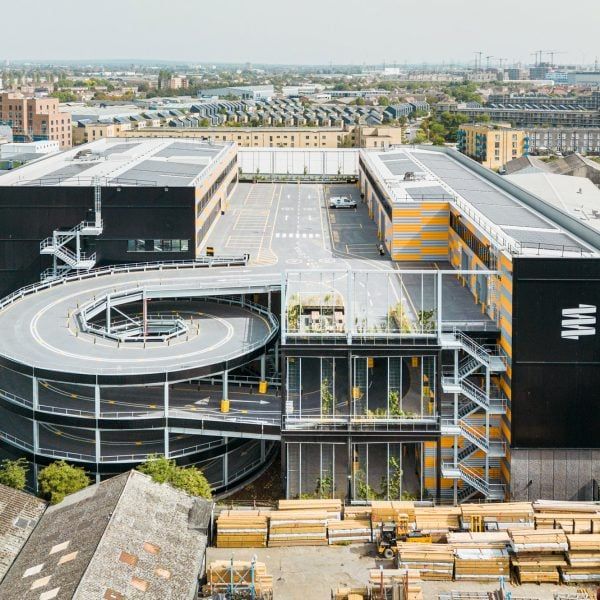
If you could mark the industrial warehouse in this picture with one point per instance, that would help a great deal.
(436, 342)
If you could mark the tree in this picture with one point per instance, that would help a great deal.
(13, 473)
(420, 137)
(64, 96)
(383, 101)
(59, 479)
(189, 479)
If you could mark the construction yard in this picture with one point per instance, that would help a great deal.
(311, 573)
(404, 550)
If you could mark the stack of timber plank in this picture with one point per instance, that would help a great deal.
(383, 511)
(498, 515)
(222, 574)
(583, 558)
(332, 506)
(432, 561)
(573, 517)
(345, 593)
(480, 555)
(349, 531)
(539, 553)
(437, 519)
(406, 584)
(358, 512)
(242, 528)
(481, 564)
(299, 527)
(490, 540)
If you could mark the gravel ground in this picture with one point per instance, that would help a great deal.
(310, 573)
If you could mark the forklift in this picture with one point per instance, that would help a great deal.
(392, 532)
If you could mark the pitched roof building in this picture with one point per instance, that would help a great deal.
(19, 514)
(126, 537)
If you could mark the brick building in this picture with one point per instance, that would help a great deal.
(35, 119)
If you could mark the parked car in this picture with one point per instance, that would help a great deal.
(342, 202)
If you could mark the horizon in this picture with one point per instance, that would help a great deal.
(402, 35)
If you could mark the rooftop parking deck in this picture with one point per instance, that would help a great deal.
(329, 256)
(122, 162)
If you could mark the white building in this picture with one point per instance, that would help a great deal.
(14, 150)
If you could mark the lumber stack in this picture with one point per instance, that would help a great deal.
(539, 553)
(437, 519)
(242, 529)
(480, 555)
(498, 515)
(392, 510)
(432, 561)
(406, 582)
(360, 513)
(222, 574)
(332, 506)
(490, 540)
(481, 564)
(538, 540)
(573, 517)
(345, 593)
(583, 558)
(299, 527)
(349, 531)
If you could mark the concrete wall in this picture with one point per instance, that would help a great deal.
(554, 474)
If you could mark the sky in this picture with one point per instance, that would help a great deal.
(300, 31)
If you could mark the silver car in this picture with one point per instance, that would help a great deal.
(342, 202)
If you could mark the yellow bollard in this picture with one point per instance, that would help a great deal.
(262, 387)
(224, 405)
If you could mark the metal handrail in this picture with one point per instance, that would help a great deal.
(473, 435)
(197, 448)
(70, 455)
(15, 399)
(16, 441)
(202, 262)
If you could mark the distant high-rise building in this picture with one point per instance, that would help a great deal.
(34, 119)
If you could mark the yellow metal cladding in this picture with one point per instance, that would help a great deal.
(420, 231)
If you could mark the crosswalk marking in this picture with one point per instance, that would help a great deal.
(297, 235)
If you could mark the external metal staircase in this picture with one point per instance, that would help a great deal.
(64, 258)
(468, 380)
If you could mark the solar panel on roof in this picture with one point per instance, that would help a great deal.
(434, 192)
(164, 167)
(548, 239)
(72, 170)
(119, 148)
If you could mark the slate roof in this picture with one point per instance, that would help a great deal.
(124, 538)
(19, 514)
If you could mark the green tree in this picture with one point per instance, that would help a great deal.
(383, 101)
(420, 137)
(13, 473)
(64, 96)
(59, 479)
(360, 102)
(188, 479)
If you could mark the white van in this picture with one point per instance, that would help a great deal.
(342, 202)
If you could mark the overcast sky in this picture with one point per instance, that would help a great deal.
(299, 31)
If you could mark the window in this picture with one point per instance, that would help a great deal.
(158, 245)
